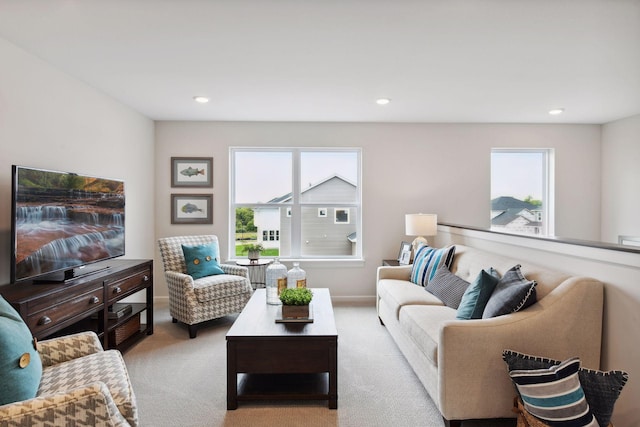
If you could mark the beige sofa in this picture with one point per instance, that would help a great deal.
(459, 362)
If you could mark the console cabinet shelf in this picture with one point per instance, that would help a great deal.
(83, 303)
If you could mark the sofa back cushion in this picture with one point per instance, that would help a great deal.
(468, 263)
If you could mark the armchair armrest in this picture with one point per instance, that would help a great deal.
(61, 408)
(68, 347)
(236, 270)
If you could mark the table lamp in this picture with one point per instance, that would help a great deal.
(420, 225)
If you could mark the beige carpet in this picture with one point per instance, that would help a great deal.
(182, 382)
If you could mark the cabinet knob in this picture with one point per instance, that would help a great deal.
(145, 278)
(117, 290)
(94, 300)
(44, 320)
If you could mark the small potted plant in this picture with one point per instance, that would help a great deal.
(253, 250)
(295, 302)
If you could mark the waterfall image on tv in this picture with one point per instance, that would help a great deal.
(63, 221)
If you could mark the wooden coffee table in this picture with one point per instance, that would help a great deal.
(283, 361)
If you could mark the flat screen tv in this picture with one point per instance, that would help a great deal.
(62, 222)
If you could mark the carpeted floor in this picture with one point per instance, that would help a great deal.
(182, 382)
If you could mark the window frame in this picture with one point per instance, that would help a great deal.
(294, 206)
(548, 184)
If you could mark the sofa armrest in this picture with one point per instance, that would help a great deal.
(73, 407)
(402, 272)
(471, 373)
(236, 270)
(68, 347)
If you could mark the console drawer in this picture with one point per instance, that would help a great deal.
(66, 309)
(123, 286)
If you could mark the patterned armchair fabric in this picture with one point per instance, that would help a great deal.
(81, 385)
(195, 301)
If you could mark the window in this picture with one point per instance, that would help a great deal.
(300, 203)
(521, 191)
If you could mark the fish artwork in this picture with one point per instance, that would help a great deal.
(192, 171)
(190, 208)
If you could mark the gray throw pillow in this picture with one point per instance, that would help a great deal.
(512, 293)
(448, 287)
(477, 295)
(601, 389)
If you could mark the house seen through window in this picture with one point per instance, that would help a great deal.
(296, 202)
(521, 190)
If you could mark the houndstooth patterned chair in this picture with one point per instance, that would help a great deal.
(81, 385)
(196, 301)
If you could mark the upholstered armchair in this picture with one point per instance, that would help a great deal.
(81, 385)
(210, 297)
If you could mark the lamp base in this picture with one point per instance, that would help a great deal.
(417, 242)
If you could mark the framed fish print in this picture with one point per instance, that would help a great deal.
(191, 209)
(192, 172)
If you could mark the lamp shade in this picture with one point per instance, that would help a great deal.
(421, 224)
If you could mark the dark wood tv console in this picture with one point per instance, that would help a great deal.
(83, 303)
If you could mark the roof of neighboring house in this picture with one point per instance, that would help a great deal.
(510, 215)
(287, 196)
(352, 237)
(504, 203)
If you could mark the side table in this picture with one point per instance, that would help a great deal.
(390, 262)
(257, 271)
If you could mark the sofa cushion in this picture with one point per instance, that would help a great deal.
(512, 293)
(105, 366)
(554, 394)
(448, 287)
(398, 293)
(427, 260)
(202, 260)
(422, 324)
(20, 363)
(210, 288)
(601, 389)
(477, 294)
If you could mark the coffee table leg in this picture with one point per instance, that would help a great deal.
(232, 376)
(333, 375)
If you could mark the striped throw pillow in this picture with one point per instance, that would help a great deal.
(427, 260)
(555, 395)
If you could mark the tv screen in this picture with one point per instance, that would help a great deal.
(62, 221)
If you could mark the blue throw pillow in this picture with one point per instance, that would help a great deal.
(512, 293)
(202, 260)
(555, 395)
(20, 363)
(477, 294)
(427, 261)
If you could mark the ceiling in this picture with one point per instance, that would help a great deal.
(500, 61)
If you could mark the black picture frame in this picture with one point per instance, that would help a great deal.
(192, 172)
(192, 209)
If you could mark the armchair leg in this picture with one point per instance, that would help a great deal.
(193, 331)
(174, 320)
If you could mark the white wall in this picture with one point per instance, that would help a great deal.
(619, 271)
(621, 178)
(407, 168)
(51, 120)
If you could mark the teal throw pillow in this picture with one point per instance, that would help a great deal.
(477, 294)
(202, 260)
(427, 261)
(20, 363)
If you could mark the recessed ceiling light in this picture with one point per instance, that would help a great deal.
(556, 111)
(201, 99)
(383, 101)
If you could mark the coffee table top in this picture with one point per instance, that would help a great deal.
(258, 319)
